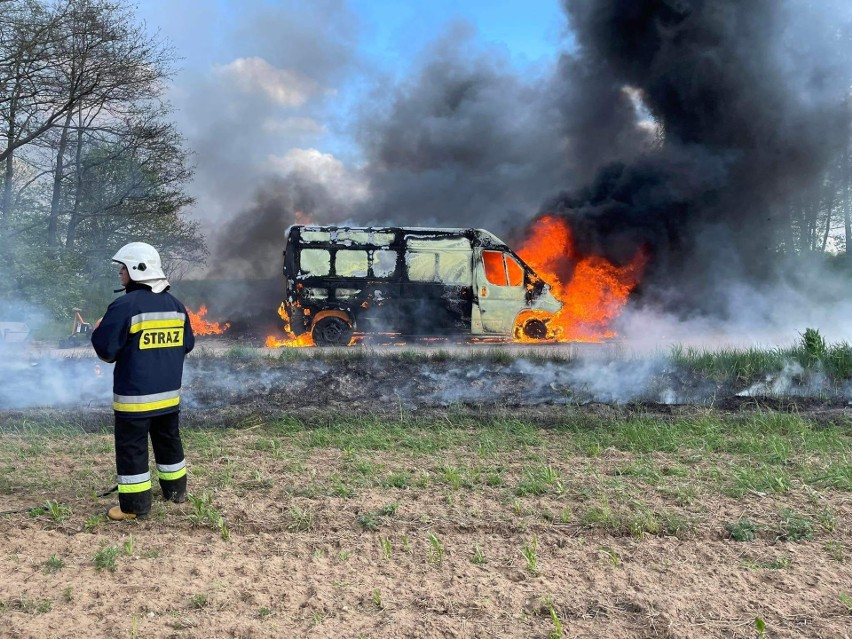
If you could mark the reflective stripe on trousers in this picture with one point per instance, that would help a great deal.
(145, 403)
(134, 483)
(170, 472)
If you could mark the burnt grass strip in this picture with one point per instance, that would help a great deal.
(245, 385)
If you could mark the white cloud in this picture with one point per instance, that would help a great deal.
(256, 75)
(324, 169)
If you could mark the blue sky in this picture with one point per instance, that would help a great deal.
(392, 30)
(275, 87)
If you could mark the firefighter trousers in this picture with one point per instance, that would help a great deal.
(131, 460)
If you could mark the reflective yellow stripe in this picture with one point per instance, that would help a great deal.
(146, 406)
(141, 487)
(170, 476)
(164, 323)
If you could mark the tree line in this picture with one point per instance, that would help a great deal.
(821, 215)
(89, 158)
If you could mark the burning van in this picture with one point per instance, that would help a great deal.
(412, 281)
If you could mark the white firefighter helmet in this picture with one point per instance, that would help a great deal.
(143, 265)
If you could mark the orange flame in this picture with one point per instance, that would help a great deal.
(596, 291)
(289, 340)
(300, 217)
(201, 326)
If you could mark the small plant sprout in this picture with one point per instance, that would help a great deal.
(827, 520)
(368, 521)
(386, 547)
(406, 544)
(389, 509)
(846, 600)
(344, 555)
(128, 546)
(478, 555)
(760, 626)
(436, 549)
(611, 555)
(56, 511)
(53, 564)
(530, 552)
(203, 513)
(835, 551)
(105, 558)
(94, 521)
(557, 631)
(794, 526)
(264, 612)
(377, 598)
(742, 530)
(372, 520)
(199, 601)
(301, 519)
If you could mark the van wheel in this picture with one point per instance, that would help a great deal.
(535, 329)
(331, 331)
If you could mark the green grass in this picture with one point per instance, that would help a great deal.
(794, 526)
(105, 558)
(34, 606)
(205, 514)
(539, 481)
(478, 557)
(742, 530)
(624, 473)
(530, 552)
(374, 519)
(812, 353)
(53, 564)
(301, 519)
(436, 549)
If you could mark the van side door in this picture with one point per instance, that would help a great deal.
(438, 288)
(500, 291)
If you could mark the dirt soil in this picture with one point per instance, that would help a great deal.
(435, 560)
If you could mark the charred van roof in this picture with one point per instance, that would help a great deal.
(479, 237)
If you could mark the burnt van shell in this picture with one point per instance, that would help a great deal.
(387, 303)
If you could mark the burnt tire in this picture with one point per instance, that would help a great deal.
(331, 331)
(535, 329)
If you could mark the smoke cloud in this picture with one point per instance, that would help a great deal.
(686, 127)
(750, 101)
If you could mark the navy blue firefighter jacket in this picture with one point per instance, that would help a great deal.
(147, 335)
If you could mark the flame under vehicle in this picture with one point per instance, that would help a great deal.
(412, 281)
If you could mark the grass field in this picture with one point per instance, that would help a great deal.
(591, 525)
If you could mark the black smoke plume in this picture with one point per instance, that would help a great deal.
(749, 102)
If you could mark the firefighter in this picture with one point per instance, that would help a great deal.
(146, 333)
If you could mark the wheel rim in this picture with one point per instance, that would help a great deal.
(535, 329)
(332, 331)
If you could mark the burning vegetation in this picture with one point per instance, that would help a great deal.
(289, 340)
(201, 326)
